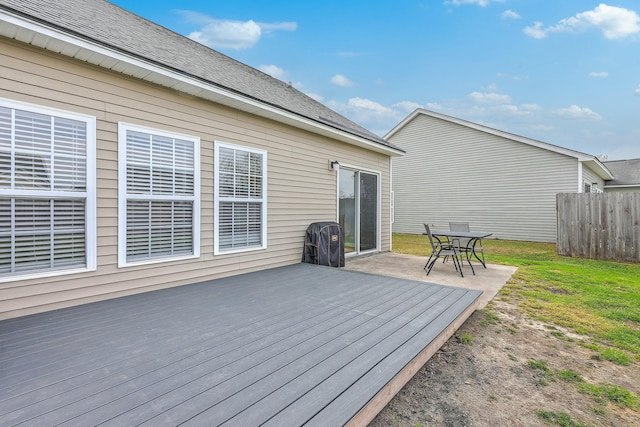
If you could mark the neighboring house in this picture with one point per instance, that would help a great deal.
(502, 183)
(133, 159)
(626, 173)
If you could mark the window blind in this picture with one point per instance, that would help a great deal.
(43, 170)
(160, 196)
(240, 202)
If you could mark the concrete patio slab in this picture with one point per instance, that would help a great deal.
(489, 280)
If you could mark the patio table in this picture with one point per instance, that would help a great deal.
(473, 237)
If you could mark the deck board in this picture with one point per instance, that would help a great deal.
(289, 345)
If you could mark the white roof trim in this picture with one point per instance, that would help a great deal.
(594, 163)
(599, 168)
(621, 185)
(49, 38)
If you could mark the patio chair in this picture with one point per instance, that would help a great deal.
(442, 249)
(464, 243)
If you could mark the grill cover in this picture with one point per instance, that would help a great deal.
(324, 244)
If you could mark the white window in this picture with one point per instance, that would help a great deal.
(47, 192)
(240, 199)
(159, 195)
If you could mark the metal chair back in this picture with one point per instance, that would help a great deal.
(433, 245)
(459, 226)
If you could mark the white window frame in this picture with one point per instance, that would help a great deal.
(392, 211)
(217, 199)
(123, 197)
(89, 195)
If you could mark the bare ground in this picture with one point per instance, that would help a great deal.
(481, 377)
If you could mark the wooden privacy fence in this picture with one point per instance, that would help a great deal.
(599, 225)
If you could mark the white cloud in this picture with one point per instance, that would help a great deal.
(342, 81)
(598, 74)
(273, 71)
(614, 22)
(531, 107)
(519, 110)
(219, 33)
(512, 109)
(510, 14)
(228, 34)
(482, 3)
(371, 114)
(490, 97)
(367, 104)
(536, 31)
(576, 112)
(638, 90)
(407, 106)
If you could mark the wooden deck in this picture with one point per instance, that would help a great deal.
(289, 346)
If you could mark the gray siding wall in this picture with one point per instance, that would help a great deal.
(589, 177)
(300, 190)
(455, 173)
(623, 189)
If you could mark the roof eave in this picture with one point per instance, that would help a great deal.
(53, 39)
(598, 167)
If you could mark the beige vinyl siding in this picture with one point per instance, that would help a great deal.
(301, 189)
(455, 173)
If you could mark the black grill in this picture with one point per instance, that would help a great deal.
(324, 244)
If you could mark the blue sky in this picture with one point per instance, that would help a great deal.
(566, 72)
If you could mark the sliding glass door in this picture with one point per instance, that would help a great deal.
(368, 207)
(358, 209)
(347, 208)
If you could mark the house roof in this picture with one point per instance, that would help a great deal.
(591, 161)
(106, 35)
(626, 172)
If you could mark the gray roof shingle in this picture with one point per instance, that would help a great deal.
(110, 25)
(626, 172)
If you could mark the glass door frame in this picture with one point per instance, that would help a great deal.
(357, 171)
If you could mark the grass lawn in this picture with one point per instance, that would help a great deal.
(597, 299)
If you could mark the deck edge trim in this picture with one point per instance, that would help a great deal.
(393, 387)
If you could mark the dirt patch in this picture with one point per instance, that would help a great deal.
(481, 377)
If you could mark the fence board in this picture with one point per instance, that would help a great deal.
(599, 225)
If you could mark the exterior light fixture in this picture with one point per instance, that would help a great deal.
(334, 165)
